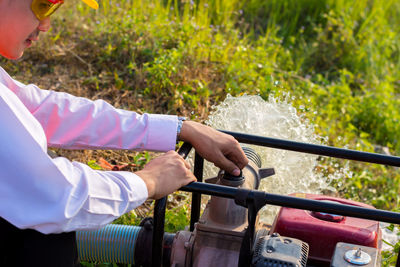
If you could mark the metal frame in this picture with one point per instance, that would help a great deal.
(198, 188)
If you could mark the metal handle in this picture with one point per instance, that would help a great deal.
(296, 202)
(316, 149)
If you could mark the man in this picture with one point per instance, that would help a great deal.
(43, 200)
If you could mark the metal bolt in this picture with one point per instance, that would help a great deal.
(358, 253)
(357, 256)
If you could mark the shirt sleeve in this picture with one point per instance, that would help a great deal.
(79, 123)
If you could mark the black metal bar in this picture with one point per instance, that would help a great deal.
(246, 198)
(316, 149)
(210, 189)
(184, 150)
(158, 232)
(196, 197)
(298, 203)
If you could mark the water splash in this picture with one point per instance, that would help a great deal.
(277, 118)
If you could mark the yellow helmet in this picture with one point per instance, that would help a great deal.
(91, 3)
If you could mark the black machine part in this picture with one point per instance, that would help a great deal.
(143, 252)
(355, 255)
(275, 250)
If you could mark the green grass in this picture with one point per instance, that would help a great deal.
(339, 59)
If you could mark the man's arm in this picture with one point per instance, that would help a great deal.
(56, 195)
(79, 123)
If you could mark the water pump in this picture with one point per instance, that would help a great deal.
(228, 232)
(217, 238)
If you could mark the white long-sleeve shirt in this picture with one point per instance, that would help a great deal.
(57, 195)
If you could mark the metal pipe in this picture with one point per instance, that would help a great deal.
(196, 197)
(316, 149)
(184, 150)
(297, 203)
(210, 189)
(158, 231)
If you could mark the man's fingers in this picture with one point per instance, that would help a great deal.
(193, 179)
(235, 153)
(190, 178)
(187, 165)
(237, 157)
(241, 161)
(227, 165)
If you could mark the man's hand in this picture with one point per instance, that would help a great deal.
(166, 174)
(221, 149)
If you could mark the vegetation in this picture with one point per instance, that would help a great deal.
(339, 59)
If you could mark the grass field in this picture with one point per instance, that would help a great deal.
(340, 60)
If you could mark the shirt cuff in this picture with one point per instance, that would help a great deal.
(139, 189)
(162, 132)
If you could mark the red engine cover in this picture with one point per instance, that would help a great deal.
(322, 231)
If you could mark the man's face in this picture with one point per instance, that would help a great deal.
(19, 27)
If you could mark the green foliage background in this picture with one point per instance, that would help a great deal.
(339, 59)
